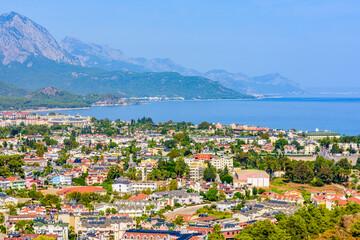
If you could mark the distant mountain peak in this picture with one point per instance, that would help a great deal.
(11, 15)
(20, 38)
(92, 54)
(272, 84)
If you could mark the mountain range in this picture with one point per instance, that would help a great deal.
(31, 58)
(102, 56)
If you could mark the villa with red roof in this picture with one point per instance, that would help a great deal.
(33, 210)
(139, 196)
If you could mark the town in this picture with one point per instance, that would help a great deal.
(73, 177)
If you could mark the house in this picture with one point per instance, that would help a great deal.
(104, 228)
(7, 200)
(225, 205)
(20, 236)
(278, 174)
(42, 162)
(222, 162)
(50, 228)
(288, 196)
(4, 183)
(255, 178)
(92, 179)
(123, 185)
(142, 186)
(16, 183)
(33, 209)
(139, 196)
(30, 182)
(61, 179)
(142, 234)
(73, 207)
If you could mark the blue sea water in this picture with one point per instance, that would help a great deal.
(336, 114)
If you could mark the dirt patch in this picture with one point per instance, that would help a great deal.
(52, 190)
(306, 187)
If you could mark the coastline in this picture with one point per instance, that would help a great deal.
(142, 102)
(78, 108)
(53, 109)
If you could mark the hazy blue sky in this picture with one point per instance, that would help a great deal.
(316, 43)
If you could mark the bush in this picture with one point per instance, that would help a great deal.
(317, 183)
(261, 190)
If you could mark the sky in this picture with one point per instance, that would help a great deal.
(315, 43)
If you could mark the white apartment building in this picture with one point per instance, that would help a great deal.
(222, 162)
(125, 186)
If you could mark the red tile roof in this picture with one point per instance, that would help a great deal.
(139, 196)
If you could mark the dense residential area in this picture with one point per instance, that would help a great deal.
(73, 177)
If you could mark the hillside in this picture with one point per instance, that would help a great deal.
(51, 97)
(81, 80)
(10, 90)
(270, 84)
(95, 55)
(20, 37)
(31, 58)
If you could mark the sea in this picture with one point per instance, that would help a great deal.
(340, 115)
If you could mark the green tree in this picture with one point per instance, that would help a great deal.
(204, 125)
(179, 220)
(326, 175)
(262, 230)
(280, 143)
(296, 226)
(335, 149)
(226, 179)
(170, 144)
(242, 159)
(216, 234)
(173, 185)
(211, 194)
(113, 145)
(41, 237)
(40, 150)
(271, 164)
(209, 173)
(355, 229)
(50, 200)
(179, 137)
(303, 172)
(24, 226)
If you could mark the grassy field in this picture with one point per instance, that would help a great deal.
(279, 186)
(213, 212)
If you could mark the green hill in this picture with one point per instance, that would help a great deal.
(38, 73)
(53, 98)
(7, 89)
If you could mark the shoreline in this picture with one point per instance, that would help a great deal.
(114, 105)
(53, 109)
(151, 101)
